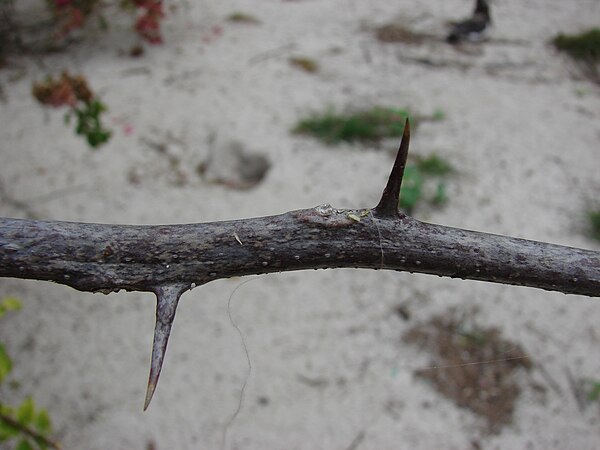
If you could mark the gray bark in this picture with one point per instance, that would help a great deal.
(171, 259)
(105, 258)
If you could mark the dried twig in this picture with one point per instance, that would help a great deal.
(29, 432)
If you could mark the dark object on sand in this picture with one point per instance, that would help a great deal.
(584, 46)
(471, 29)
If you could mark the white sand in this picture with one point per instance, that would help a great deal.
(521, 127)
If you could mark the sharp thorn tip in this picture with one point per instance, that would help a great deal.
(389, 203)
(167, 299)
(149, 394)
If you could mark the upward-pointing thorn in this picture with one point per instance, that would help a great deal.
(388, 205)
(167, 298)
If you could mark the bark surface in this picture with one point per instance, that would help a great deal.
(171, 259)
(105, 258)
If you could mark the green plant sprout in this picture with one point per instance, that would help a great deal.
(88, 122)
(440, 197)
(74, 93)
(306, 64)
(373, 125)
(417, 175)
(368, 125)
(438, 114)
(7, 305)
(242, 17)
(24, 426)
(434, 165)
(584, 46)
(594, 391)
(594, 220)
(412, 188)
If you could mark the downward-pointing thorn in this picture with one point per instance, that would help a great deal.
(167, 298)
(388, 205)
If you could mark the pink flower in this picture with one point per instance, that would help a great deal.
(148, 24)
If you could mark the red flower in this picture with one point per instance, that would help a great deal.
(148, 24)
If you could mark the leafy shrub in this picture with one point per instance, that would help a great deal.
(67, 16)
(412, 188)
(368, 125)
(415, 180)
(74, 92)
(24, 425)
(593, 394)
(584, 46)
(434, 165)
(88, 122)
(73, 14)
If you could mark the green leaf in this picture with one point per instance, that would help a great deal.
(12, 303)
(9, 304)
(585, 46)
(438, 114)
(42, 422)
(594, 392)
(365, 125)
(7, 410)
(88, 123)
(101, 106)
(434, 165)
(440, 195)
(96, 138)
(594, 220)
(41, 443)
(7, 431)
(412, 185)
(24, 445)
(5, 363)
(26, 411)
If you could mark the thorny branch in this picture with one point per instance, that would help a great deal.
(171, 259)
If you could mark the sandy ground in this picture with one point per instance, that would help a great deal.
(329, 369)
